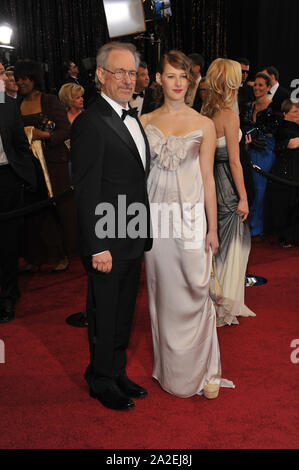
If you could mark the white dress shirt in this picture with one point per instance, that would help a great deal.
(273, 90)
(137, 103)
(191, 93)
(132, 126)
(3, 157)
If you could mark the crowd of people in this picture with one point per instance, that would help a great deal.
(188, 152)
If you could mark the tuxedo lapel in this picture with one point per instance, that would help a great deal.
(112, 119)
(147, 149)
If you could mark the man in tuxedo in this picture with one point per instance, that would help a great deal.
(141, 87)
(110, 160)
(71, 72)
(245, 93)
(16, 170)
(277, 93)
(193, 98)
(11, 88)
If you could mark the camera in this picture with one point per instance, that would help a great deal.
(253, 132)
(46, 125)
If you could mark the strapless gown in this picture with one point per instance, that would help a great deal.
(183, 318)
(234, 242)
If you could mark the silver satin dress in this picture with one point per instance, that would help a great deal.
(183, 318)
(234, 242)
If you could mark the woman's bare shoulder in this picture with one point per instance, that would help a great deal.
(204, 121)
(228, 113)
(146, 119)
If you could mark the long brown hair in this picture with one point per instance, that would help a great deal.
(178, 60)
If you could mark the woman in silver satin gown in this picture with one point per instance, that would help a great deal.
(184, 216)
(223, 80)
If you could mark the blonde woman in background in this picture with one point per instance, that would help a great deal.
(223, 80)
(71, 96)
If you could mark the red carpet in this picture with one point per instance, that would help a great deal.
(44, 401)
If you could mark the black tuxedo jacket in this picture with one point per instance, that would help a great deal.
(15, 143)
(149, 104)
(245, 95)
(280, 95)
(74, 80)
(197, 103)
(106, 164)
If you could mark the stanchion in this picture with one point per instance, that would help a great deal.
(79, 320)
(251, 280)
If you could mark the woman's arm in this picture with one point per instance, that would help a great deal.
(231, 131)
(37, 134)
(207, 154)
(56, 112)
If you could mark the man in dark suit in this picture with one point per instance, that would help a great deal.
(141, 87)
(71, 72)
(110, 163)
(16, 170)
(194, 98)
(277, 92)
(245, 93)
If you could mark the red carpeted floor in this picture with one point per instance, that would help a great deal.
(44, 400)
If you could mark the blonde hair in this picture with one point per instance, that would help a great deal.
(67, 94)
(223, 81)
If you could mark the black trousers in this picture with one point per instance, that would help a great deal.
(110, 307)
(11, 198)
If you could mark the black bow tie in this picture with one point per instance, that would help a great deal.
(141, 94)
(130, 112)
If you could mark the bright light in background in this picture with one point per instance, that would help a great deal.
(5, 34)
(124, 17)
(118, 11)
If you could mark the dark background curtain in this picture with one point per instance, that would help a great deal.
(265, 31)
(52, 30)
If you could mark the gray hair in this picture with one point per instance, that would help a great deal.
(104, 51)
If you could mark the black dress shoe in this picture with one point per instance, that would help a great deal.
(130, 388)
(7, 311)
(112, 397)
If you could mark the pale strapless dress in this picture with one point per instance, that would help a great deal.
(183, 318)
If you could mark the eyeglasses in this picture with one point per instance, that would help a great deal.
(120, 73)
(245, 71)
